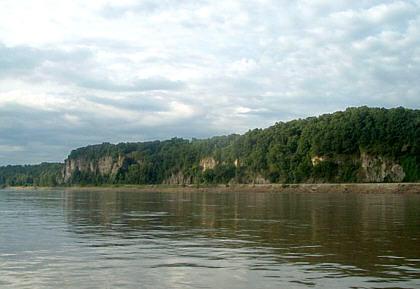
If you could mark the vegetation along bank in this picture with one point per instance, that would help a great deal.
(359, 145)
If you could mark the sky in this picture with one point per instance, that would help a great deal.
(74, 73)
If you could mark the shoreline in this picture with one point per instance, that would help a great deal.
(361, 188)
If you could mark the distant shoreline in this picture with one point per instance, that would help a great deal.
(364, 188)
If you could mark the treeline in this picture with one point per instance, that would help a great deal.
(282, 153)
(153, 162)
(327, 148)
(45, 175)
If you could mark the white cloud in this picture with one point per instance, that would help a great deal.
(39, 101)
(10, 149)
(133, 70)
(73, 119)
(243, 66)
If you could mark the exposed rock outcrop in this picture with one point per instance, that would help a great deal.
(373, 169)
(207, 163)
(380, 169)
(104, 166)
(369, 168)
(259, 180)
(236, 163)
(178, 179)
(317, 159)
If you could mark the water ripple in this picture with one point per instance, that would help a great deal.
(171, 240)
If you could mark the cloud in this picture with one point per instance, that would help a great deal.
(86, 72)
(76, 67)
(31, 100)
(10, 149)
(18, 61)
(136, 85)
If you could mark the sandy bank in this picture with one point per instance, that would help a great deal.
(366, 188)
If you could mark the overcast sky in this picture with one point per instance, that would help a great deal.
(74, 73)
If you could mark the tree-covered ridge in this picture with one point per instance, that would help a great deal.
(357, 145)
(45, 174)
(280, 153)
(150, 162)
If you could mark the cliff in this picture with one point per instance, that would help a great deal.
(367, 168)
(380, 169)
(104, 166)
(357, 145)
(371, 169)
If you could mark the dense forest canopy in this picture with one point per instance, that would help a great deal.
(336, 147)
(45, 174)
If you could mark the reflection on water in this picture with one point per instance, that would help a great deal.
(208, 240)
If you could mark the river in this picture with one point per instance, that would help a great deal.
(116, 239)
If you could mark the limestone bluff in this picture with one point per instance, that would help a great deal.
(373, 169)
(358, 145)
(352, 146)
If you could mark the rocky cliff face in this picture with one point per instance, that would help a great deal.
(207, 163)
(374, 169)
(317, 159)
(178, 179)
(380, 169)
(104, 166)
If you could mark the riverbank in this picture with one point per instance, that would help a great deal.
(365, 188)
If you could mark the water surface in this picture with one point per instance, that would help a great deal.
(69, 239)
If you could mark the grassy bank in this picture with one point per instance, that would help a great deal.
(365, 188)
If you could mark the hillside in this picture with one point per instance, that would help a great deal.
(358, 145)
(45, 174)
